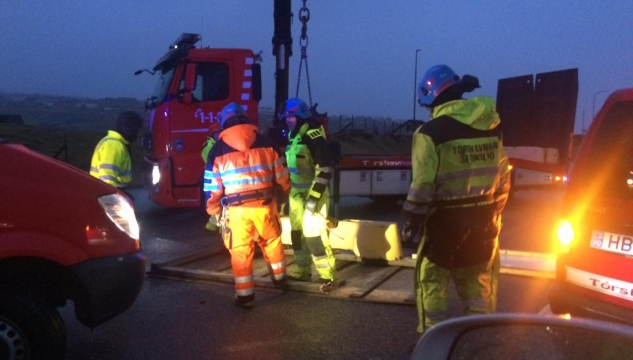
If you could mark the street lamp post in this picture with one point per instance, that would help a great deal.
(594, 103)
(415, 82)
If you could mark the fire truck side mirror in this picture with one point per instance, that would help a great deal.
(190, 83)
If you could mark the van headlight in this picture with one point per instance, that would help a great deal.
(121, 212)
(155, 175)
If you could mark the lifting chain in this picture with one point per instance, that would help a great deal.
(304, 17)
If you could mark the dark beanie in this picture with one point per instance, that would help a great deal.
(127, 124)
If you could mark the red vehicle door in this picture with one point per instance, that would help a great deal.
(221, 77)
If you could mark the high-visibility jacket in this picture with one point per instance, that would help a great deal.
(111, 161)
(458, 162)
(206, 148)
(243, 161)
(309, 160)
(205, 156)
(310, 164)
(244, 165)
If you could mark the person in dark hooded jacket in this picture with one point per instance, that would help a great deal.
(111, 160)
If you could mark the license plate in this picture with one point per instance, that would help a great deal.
(617, 243)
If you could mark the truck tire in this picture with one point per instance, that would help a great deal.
(30, 330)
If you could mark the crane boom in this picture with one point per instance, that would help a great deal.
(282, 50)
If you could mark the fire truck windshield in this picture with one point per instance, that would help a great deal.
(162, 86)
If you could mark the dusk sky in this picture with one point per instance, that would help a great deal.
(361, 54)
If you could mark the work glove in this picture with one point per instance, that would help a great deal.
(311, 205)
(411, 228)
(212, 224)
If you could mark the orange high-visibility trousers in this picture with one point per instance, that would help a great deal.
(245, 226)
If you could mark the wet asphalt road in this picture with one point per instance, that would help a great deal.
(175, 319)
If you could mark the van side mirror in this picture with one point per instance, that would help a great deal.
(190, 83)
(524, 336)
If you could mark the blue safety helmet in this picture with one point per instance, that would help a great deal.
(295, 107)
(229, 111)
(436, 79)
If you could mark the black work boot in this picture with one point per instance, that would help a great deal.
(280, 284)
(326, 285)
(246, 302)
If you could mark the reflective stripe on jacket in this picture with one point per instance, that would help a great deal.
(241, 161)
(111, 161)
(458, 156)
(309, 160)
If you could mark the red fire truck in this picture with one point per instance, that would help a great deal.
(193, 86)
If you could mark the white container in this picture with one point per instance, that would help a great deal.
(531, 153)
(552, 156)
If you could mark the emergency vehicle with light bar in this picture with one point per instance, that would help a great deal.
(194, 85)
(594, 275)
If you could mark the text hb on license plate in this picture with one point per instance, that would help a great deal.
(618, 243)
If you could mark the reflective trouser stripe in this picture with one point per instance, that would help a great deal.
(302, 265)
(245, 225)
(244, 292)
(325, 263)
(301, 258)
(476, 285)
(279, 270)
(244, 285)
(314, 228)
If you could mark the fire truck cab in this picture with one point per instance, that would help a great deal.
(193, 86)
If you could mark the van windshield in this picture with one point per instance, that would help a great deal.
(609, 170)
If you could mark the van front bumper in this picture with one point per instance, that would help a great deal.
(109, 286)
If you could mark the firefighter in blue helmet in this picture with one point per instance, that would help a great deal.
(460, 184)
(310, 164)
(244, 176)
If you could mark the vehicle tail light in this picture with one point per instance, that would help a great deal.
(121, 212)
(565, 233)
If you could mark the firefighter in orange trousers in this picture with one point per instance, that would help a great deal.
(243, 178)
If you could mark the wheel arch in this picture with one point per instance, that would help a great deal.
(42, 277)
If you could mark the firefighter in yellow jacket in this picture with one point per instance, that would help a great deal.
(310, 164)
(459, 188)
(214, 131)
(111, 160)
(243, 178)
